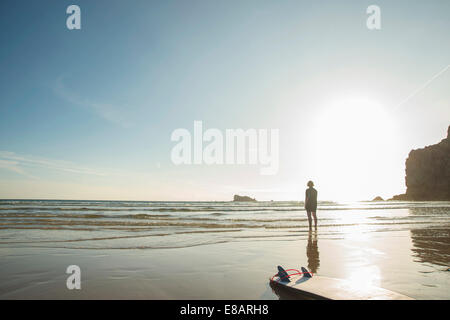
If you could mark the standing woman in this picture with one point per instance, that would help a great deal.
(311, 203)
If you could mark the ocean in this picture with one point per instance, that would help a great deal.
(420, 231)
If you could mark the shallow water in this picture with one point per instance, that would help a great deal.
(154, 248)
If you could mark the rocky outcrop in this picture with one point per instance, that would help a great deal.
(378, 199)
(400, 197)
(428, 173)
(243, 198)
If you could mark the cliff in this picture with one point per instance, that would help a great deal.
(242, 198)
(428, 173)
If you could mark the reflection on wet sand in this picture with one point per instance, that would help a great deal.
(312, 253)
(431, 244)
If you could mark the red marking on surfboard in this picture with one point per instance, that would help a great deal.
(292, 274)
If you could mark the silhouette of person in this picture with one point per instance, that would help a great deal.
(312, 252)
(311, 203)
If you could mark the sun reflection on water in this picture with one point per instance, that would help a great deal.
(364, 277)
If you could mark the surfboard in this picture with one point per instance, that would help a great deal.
(308, 286)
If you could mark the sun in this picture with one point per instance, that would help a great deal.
(355, 122)
(353, 146)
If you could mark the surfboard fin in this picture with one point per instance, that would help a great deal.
(283, 275)
(306, 273)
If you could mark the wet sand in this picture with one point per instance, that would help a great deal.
(402, 261)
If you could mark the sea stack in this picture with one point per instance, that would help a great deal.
(428, 173)
(243, 198)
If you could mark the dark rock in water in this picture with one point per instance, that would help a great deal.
(242, 198)
(378, 199)
(428, 173)
(400, 197)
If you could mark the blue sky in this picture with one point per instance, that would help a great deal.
(88, 114)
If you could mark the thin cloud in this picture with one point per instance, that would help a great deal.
(17, 163)
(111, 113)
(11, 165)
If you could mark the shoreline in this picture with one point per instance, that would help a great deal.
(157, 274)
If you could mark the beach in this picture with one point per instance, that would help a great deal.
(218, 250)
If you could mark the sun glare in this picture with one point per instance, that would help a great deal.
(352, 148)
